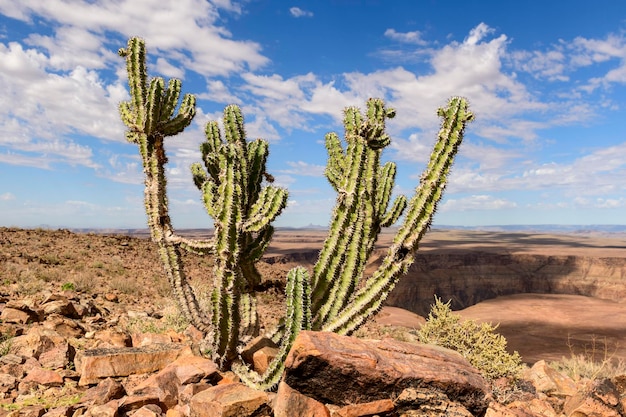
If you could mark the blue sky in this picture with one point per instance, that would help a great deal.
(546, 80)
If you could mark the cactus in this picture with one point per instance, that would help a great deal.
(238, 195)
(242, 209)
(340, 301)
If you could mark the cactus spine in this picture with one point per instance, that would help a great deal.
(238, 195)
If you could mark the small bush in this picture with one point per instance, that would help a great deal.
(6, 343)
(595, 361)
(68, 286)
(478, 343)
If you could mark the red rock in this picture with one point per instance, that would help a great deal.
(31, 411)
(148, 411)
(7, 383)
(176, 412)
(532, 408)
(44, 377)
(113, 338)
(365, 409)
(35, 342)
(343, 370)
(58, 357)
(428, 401)
(63, 307)
(290, 402)
(63, 326)
(230, 400)
(109, 409)
(11, 359)
(548, 380)
(13, 315)
(92, 365)
(65, 411)
(255, 345)
(599, 398)
(189, 390)
(262, 358)
(135, 402)
(168, 382)
(146, 339)
(106, 390)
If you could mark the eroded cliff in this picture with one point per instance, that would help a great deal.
(468, 278)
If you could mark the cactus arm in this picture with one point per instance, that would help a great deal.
(135, 55)
(268, 206)
(336, 160)
(185, 115)
(419, 216)
(298, 317)
(153, 108)
(198, 175)
(356, 218)
(149, 139)
(392, 216)
(258, 152)
(257, 246)
(170, 99)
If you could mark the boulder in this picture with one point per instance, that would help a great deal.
(548, 380)
(94, 364)
(598, 398)
(230, 400)
(168, 383)
(342, 370)
(290, 402)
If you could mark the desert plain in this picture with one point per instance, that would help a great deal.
(552, 295)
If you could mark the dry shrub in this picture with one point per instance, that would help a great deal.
(597, 360)
(478, 343)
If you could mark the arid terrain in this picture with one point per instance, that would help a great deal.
(539, 321)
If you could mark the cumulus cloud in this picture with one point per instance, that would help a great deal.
(69, 81)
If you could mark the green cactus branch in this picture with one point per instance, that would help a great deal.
(368, 299)
(238, 194)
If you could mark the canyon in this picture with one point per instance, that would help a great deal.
(552, 295)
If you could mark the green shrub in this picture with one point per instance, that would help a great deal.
(6, 343)
(68, 286)
(477, 342)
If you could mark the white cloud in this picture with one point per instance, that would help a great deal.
(550, 65)
(187, 29)
(477, 202)
(602, 172)
(7, 197)
(477, 34)
(304, 169)
(298, 12)
(414, 37)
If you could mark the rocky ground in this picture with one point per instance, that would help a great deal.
(88, 328)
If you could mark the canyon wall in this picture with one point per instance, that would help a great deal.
(468, 278)
(468, 267)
